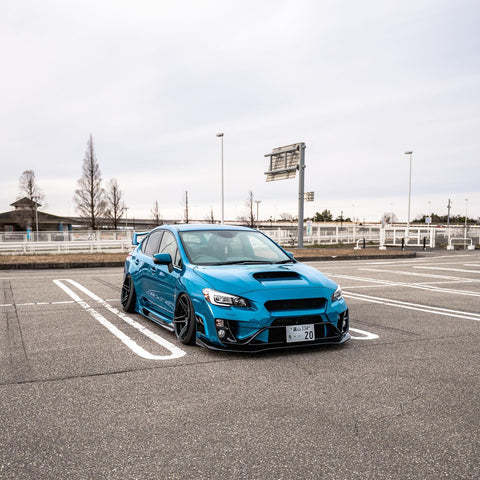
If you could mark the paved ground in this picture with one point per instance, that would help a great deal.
(79, 399)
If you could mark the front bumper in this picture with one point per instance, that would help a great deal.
(262, 347)
(274, 336)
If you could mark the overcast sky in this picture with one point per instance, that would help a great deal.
(360, 82)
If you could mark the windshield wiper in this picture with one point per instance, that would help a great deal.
(290, 260)
(244, 262)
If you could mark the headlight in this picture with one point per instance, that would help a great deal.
(223, 299)
(337, 295)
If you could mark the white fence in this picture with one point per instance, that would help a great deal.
(376, 235)
(73, 236)
(320, 234)
(37, 248)
(354, 235)
(23, 243)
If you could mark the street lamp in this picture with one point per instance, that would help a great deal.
(257, 202)
(409, 192)
(223, 200)
(466, 211)
(35, 199)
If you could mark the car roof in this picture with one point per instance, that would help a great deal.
(206, 226)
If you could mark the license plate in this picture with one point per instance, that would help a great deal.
(300, 333)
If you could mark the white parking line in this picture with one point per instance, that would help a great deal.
(463, 270)
(399, 262)
(416, 274)
(365, 335)
(419, 286)
(414, 306)
(175, 351)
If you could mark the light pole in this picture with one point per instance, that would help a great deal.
(35, 199)
(466, 212)
(223, 200)
(449, 206)
(257, 202)
(409, 192)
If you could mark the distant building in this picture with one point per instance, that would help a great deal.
(26, 215)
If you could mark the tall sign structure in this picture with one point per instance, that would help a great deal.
(284, 163)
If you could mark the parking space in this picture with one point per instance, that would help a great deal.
(89, 392)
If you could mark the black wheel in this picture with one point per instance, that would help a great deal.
(184, 320)
(128, 295)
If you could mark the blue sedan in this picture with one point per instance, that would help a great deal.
(231, 288)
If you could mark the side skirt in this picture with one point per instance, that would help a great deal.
(158, 319)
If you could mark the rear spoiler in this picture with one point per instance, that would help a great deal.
(135, 240)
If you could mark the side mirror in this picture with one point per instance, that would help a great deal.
(163, 259)
(290, 254)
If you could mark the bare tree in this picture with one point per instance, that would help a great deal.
(389, 218)
(287, 217)
(156, 215)
(114, 204)
(250, 209)
(210, 217)
(28, 188)
(89, 196)
(249, 216)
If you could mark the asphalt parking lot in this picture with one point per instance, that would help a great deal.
(88, 392)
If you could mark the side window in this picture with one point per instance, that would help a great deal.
(169, 245)
(153, 242)
(144, 244)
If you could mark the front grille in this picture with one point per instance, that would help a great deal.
(283, 322)
(296, 304)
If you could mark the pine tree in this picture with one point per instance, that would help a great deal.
(90, 196)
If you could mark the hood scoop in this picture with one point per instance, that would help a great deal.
(276, 275)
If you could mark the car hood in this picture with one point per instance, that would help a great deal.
(242, 279)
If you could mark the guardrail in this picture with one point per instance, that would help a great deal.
(79, 246)
(464, 240)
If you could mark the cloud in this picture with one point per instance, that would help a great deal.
(153, 82)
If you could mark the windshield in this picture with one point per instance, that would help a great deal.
(230, 247)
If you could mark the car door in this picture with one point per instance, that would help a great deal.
(147, 268)
(165, 281)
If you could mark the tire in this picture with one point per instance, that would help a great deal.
(128, 295)
(184, 320)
